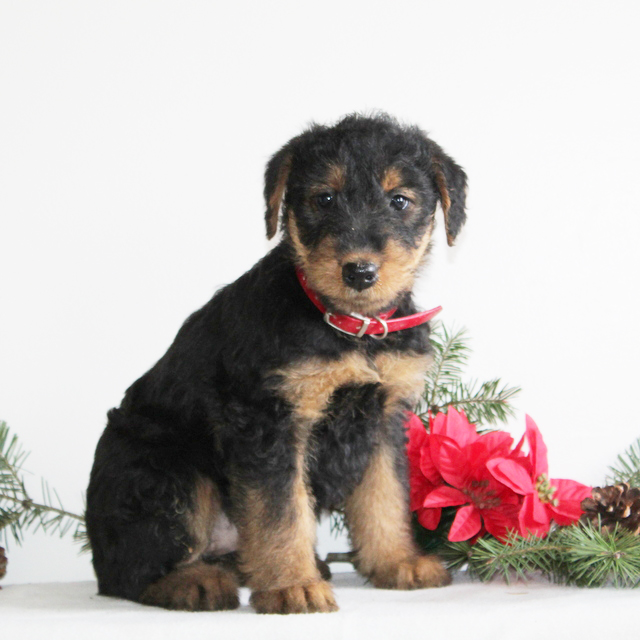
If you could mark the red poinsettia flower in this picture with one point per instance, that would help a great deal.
(458, 455)
(421, 483)
(544, 499)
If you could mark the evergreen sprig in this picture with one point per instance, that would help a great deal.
(628, 467)
(337, 523)
(594, 558)
(488, 557)
(450, 355)
(486, 403)
(18, 510)
(581, 554)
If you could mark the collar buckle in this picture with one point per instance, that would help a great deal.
(365, 324)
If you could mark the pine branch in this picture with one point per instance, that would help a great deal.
(11, 460)
(594, 558)
(628, 469)
(489, 557)
(18, 511)
(450, 354)
(487, 403)
(337, 523)
(580, 554)
(81, 536)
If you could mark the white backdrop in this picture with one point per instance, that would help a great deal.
(133, 137)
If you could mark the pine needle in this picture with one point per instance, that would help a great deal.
(628, 467)
(18, 511)
(450, 354)
(593, 558)
(580, 554)
(337, 523)
(486, 403)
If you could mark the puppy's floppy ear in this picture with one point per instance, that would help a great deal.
(451, 182)
(275, 183)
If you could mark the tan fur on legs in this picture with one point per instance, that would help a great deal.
(378, 519)
(278, 558)
(316, 597)
(197, 587)
(210, 530)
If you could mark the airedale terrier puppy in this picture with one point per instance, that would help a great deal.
(285, 396)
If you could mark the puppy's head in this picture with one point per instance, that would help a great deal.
(358, 201)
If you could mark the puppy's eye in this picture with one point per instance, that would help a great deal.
(324, 200)
(399, 202)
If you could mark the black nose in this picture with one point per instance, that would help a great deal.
(359, 275)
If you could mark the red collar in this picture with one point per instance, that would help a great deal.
(356, 325)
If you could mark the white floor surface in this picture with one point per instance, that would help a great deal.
(466, 610)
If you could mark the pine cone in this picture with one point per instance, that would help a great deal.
(615, 504)
(3, 563)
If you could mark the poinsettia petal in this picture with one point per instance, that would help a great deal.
(416, 434)
(479, 452)
(413, 420)
(466, 524)
(511, 474)
(566, 513)
(438, 424)
(429, 518)
(449, 459)
(570, 489)
(477, 456)
(419, 488)
(533, 518)
(569, 495)
(427, 467)
(538, 454)
(445, 496)
(496, 442)
(458, 428)
(518, 448)
(415, 427)
(500, 521)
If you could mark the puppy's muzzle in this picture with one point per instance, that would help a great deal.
(359, 275)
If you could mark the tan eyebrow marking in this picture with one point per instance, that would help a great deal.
(391, 179)
(336, 177)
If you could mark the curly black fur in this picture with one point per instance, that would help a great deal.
(211, 407)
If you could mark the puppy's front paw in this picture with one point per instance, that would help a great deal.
(420, 572)
(316, 597)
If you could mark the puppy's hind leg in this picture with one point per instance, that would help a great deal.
(203, 581)
(196, 587)
(148, 518)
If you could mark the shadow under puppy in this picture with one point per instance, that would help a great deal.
(261, 415)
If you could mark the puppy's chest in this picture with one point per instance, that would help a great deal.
(313, 386)
(342, 407)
